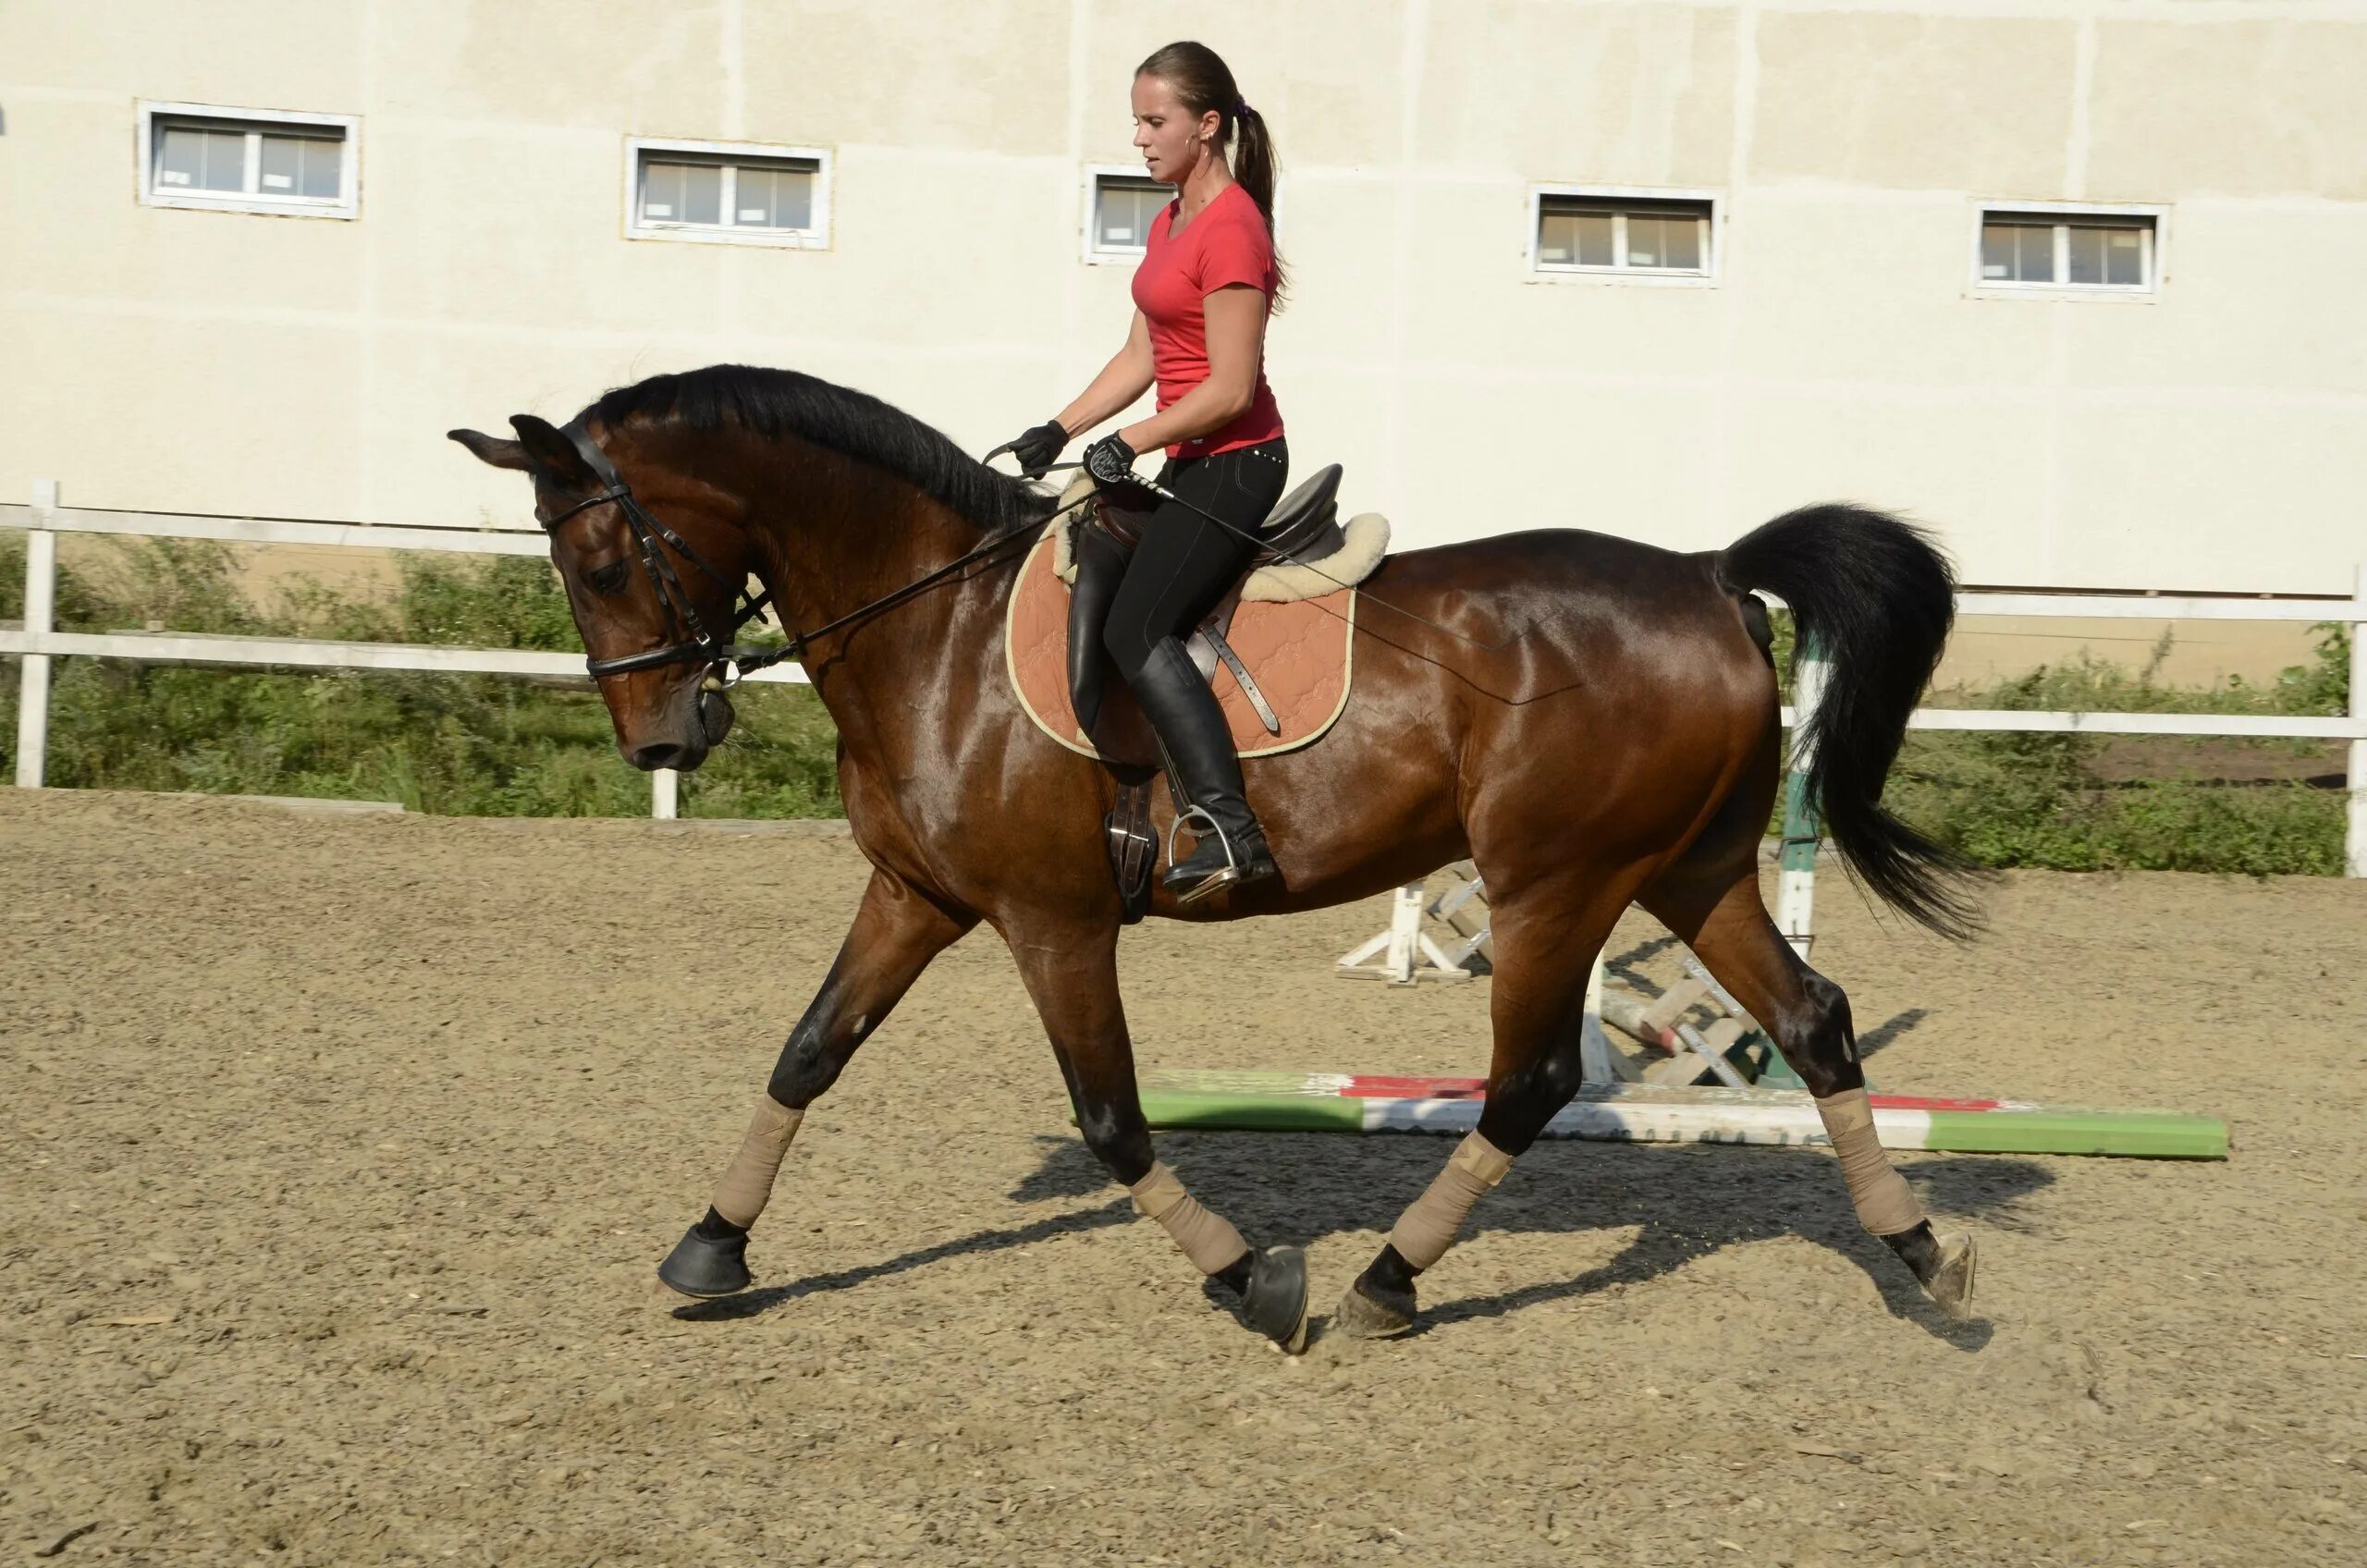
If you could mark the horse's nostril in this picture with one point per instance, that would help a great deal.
(649, 759)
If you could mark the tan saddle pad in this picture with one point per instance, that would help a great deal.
(1297, 653)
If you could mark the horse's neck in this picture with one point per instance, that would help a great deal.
(829, 551)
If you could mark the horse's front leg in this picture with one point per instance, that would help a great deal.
(895, 934)
(1072, 973)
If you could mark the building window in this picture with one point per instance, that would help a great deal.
(1635, 235)
(727, 193)
(2066, 250)
(249, 160)
(1118, 206)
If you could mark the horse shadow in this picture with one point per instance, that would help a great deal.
(1684, 1202)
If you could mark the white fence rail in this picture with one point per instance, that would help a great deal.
(40, 642)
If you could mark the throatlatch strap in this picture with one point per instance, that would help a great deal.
(1885, 1204)
(747, 1182)
(1209, 1240)
(1428, 1228)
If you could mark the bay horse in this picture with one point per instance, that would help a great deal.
(1592, 721)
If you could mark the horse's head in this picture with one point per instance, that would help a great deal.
(654, 562)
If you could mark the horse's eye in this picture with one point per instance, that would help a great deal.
(609, 579)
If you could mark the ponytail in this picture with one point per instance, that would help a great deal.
(1254, 165)
(1202, 81)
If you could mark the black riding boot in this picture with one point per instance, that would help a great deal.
(1203, 772)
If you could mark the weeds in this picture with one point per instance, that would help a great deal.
(488, 745)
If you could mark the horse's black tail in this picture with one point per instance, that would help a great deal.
(1877, 598)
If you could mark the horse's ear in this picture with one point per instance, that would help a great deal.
(550, 453)
(492, 450)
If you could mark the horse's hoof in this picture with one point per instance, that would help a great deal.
(704, 1269)
(1950, 1282)
(1275, 1303)
(1368, 1318)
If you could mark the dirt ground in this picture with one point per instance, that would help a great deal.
(341, 1150)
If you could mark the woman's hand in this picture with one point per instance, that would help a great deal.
(1110, 461)
(1037, 449)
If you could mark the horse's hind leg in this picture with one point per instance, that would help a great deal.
(1545, 941)
(1071, 971)
(1727, 926)
(896, 932)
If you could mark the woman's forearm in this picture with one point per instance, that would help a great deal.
(1126, 378)
(1112, 392)
(1206, 408)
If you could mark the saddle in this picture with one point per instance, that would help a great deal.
(1275, 649)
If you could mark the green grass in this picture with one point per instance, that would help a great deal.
(451, 744)
(2010, 799)
(488, 745)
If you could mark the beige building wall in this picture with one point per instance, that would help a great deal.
(2212, 436)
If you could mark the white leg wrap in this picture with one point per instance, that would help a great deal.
(1209, 1240)
(1427, 1227)
(1885, 1204)
(747, 1182)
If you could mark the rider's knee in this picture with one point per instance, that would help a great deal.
(1127, 646)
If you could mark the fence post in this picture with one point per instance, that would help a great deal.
(41, 608)
(665, 794)
(1795, 894)
(2354, 842)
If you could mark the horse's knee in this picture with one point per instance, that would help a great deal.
(1822, 1043)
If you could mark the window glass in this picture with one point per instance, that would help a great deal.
(773, 198)
(681, 193)
(661, 192)
(702, 194)
(1586, 232)
(752, 200)
(301, 165)
(197, 159)
(2017, 253)
(1681, 239)
(2087, 255)
(1595, 231)
(1126, 211)
(2125, 257)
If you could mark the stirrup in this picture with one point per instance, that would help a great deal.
(1215, 880)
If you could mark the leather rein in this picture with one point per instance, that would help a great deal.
(729, 662)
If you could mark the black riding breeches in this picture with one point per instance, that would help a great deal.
(1185, 562)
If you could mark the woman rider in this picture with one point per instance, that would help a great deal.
(1208, 281)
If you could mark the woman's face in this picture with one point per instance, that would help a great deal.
(1170, 135)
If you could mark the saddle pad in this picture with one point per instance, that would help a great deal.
(1298, 655)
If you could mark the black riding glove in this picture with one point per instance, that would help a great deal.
(1110, 461)
(1040, 448)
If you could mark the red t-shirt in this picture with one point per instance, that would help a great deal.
(1227, 244)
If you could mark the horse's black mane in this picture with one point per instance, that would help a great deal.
(856, 424)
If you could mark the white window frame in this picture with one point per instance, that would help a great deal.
(226, 117)
(2065, 212)
(1713, 240)
(640, 148)
(1096, 252)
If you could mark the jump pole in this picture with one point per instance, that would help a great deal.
(1611, 1107)
(1358, 1102)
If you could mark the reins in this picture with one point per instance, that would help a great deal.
(732, 662)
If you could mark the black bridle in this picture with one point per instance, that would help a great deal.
(701, 646)
(727, 661)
